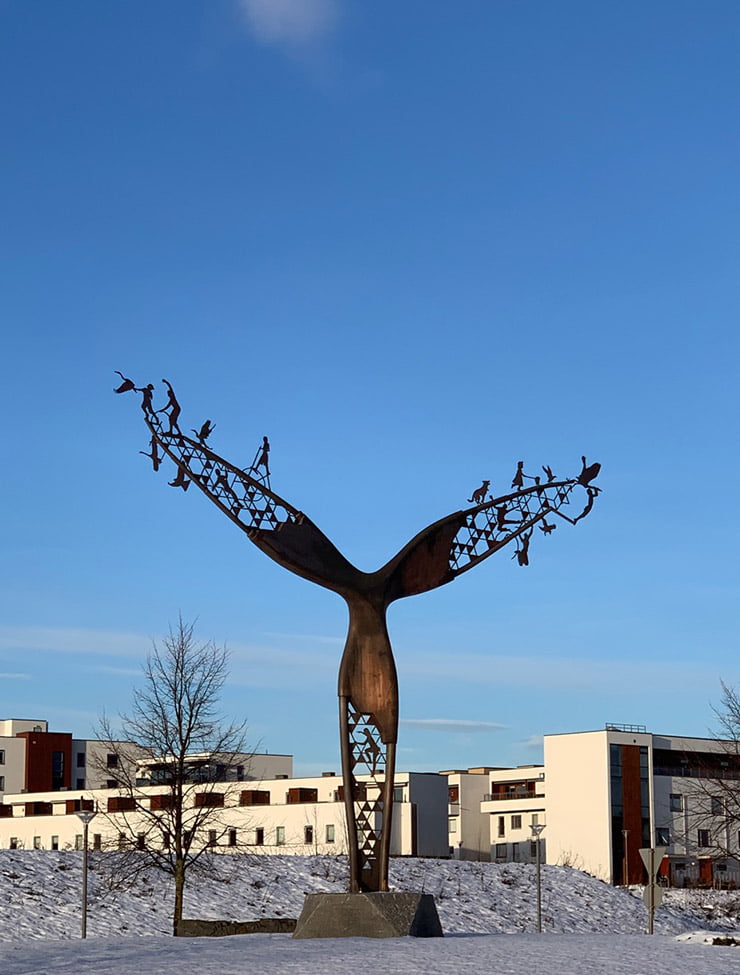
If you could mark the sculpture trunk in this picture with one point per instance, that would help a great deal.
(368, 721)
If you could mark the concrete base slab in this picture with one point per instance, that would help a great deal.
(368, 916)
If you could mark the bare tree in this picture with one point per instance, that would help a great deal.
(174, 769)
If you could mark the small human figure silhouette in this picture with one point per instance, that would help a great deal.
(591, 491)
(180, 480)
(205, 431)
(146, 397)
(174, 409)
(264, 457)
(479, 495)
(126, 385)
(501, 520)
(546, 527)
(518, 481)
(371, 752)
(522, 553)
(154, 456)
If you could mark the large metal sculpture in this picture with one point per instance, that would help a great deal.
(368, 686)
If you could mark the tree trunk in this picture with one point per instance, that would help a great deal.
(179, 893)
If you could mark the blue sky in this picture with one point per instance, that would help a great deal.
(413, 243)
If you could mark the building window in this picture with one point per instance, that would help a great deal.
(37, 842)
(110, 783)
(97, 841)
(55, 842)
(662, 836)
(501, 851)
(2, 783)
(57, 770)
(330, 833)
(111, 760)
(140, 841)
(232, 837)
(453, 793)
(533, 849)
(515, 852)
(717, 806)
(80, 759)
(259, 836)
(13, 845)
(453, 824)
(398, 793)
(501, 826)
(308, 834)
(516, 822)
(703, 838)
(2, 756)
(535, 819)
(165, 841)
(279, 836)
(80, 784)
(78, 841)
(676, 803)
(121, 841)
(212, 837)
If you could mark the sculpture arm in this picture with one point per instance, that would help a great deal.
(456, 543)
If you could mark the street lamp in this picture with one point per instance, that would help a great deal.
(86, 816)
(626, 866)
(536, 830)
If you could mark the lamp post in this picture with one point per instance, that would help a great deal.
(536, 830)
(86, 816)
(625, 834)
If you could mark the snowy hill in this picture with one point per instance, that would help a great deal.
(40, 894)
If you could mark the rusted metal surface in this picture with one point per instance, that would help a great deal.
(368, 685)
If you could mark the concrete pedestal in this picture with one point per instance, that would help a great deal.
(368, 916)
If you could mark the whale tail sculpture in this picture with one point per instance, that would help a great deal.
(368, 685)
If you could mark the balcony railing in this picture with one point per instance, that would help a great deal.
(504, 796)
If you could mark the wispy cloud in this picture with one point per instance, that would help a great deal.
(534, 741)
(71, 640)
(7, 676)
(292, 23)
(451, 725)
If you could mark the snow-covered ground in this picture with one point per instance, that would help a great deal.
(600, 928)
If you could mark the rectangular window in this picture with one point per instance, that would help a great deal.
(13, 845)
(703, 838)
(111, 760)
(453, 793)
(535, 819)
(516, 822)
(2, 783)
(515, 852)
(279, 836)
(55, 842)
(37, 842)
(97, 841)
(330, 833)
(79, 784)
(717, 806)
(662, 836)
(501, 826)
(121, 841)
(232, 837)
(57, 770)
(453, 824)
(501, 851)
(259, 836)
(140, 841)
(398, 793)
(212, 837)
(533, 849)
(2, 756)
(676, 803)
(308, 834)
(80, 759)
(78, 841)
